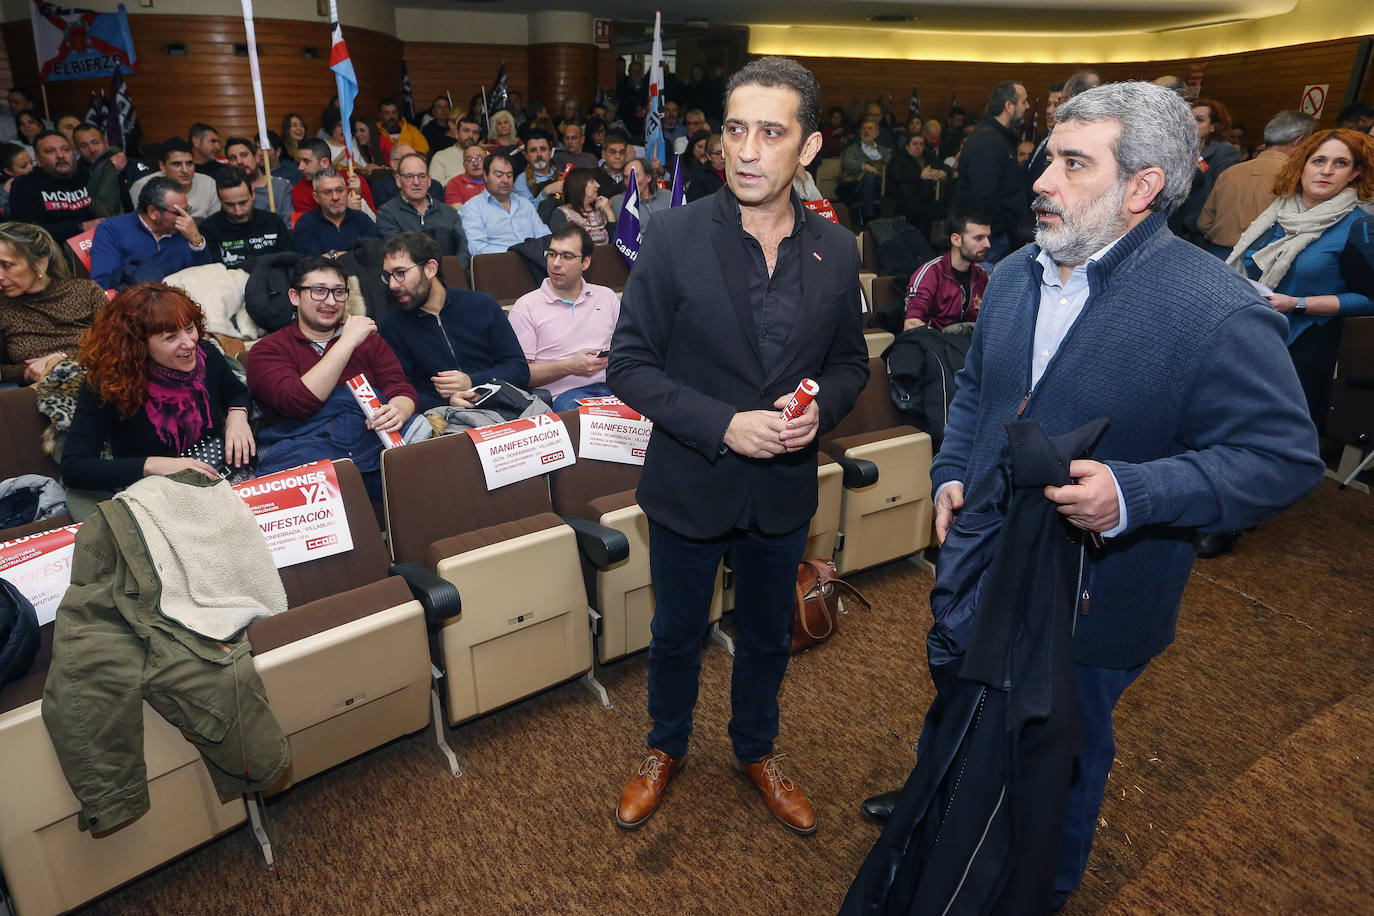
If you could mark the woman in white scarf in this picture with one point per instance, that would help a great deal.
(1294, 248)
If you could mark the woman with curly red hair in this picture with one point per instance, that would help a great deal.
(1295, 248)
(157, 393)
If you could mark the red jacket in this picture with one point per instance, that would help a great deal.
(936, 297)
(303, 194)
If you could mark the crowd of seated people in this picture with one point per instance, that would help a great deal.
(451, 183)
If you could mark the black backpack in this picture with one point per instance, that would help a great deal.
(265, 296)
(18, 633)
(900, 247)
(921, 364)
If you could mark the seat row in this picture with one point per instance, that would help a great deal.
(446, 625)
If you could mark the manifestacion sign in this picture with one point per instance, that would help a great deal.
(300, 511)
(40, 566)
(521, 449)
(612, 431)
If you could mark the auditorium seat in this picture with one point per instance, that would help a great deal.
(886, 508)
(525, 623)
(608, 268)
(827, 176)
(502, 275)
(878, 341)
(51, 866)
(1351, 417)
(825, 524)
(883, 294)
(452, 273)
(21, 450)
(346, 667)
(604, 492)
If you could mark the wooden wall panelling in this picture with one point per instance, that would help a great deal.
(463, 69)
(211, 84)
(559, 71)
(1254, 85)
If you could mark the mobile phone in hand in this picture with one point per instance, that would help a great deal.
(602, 354)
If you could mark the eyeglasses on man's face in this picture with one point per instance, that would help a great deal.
(567, 257)
(414, 176)
(398, 274)
(321, 293)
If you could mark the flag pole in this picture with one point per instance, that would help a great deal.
(263, 142)
(47, 112)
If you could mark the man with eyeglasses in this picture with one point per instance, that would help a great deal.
(384, 186)
(159, 238)
(312, 157)
(565, 325)
(494, 220)
(415, 210)
(572, 152)
(338, 223)
(447, 340)
(473, 181)
(298, 375)
(447, 164)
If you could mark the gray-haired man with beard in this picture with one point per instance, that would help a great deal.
(1208, 428)
(448, 340)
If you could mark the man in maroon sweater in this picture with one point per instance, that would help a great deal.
(292, 372)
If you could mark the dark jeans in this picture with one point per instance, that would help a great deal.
(567, 400)
(998, 248)
(684, 573)
(1314, 356)
(1098, 691)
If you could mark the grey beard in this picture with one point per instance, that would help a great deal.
(1080, 234)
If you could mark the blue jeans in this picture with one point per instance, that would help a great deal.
(1099, 689)
(568, 399)
(684, 574)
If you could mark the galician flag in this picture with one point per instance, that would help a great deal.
(654, 147)
(345, 80)
(627, 231)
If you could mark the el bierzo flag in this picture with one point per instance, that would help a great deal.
(77, 44)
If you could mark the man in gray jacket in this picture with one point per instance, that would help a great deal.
(413, 210)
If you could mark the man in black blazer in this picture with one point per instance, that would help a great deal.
(735, 299)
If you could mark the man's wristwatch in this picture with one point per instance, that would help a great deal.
(1300, 308)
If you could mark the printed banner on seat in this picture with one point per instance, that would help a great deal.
(612, 431)
(520, 449)
(300, 511)
(40, 566)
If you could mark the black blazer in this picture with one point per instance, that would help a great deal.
(686, 354)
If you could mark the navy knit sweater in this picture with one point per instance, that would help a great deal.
(1209, 429)
(470, 334)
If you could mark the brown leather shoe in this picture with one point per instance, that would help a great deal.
(642, 794)
(783, 797)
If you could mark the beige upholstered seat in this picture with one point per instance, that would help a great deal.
(888, 517)
(524, 624)
(603, 492)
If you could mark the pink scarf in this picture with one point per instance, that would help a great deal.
(178, 405)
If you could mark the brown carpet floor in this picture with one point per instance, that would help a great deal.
(1243, 781)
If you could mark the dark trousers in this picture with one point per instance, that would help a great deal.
(1314, 356)
(1098, 692)
(684, 573)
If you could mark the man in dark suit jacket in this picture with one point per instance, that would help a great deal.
(733, 301)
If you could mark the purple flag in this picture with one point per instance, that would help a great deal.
(679, 186)
(627, 232)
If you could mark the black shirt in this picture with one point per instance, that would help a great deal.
(59, 205)
(774, 299)
(232, 244)
(965, 277)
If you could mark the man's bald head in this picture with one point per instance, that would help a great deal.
(398, 152)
